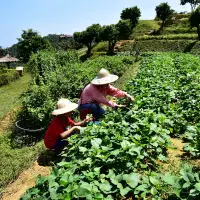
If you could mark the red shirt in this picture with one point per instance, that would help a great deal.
(54, 130)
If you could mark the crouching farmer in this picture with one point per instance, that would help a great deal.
(95, 94)
(62, 126)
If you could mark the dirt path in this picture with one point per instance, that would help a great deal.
(25, 180)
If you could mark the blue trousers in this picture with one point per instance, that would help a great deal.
(60, 145)
(91, 108)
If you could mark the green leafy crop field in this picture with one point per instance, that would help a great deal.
(118, 158)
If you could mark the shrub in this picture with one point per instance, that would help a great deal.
(8, 76)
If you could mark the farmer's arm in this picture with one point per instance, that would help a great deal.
(115, 92)
(70, 132)
(84, 122)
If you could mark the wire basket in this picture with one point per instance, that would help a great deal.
(26, 136)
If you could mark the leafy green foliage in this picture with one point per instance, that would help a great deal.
(192, 136)
(52, 79)
(59, 43)
(177, 98)
(195, 20)
(124, 28)
(132, 14)
(117, 159)
(190, 46)
(88, 36)
(31, 42)
(110, 33)
(8, 76)
(193, 3)
(163, 12)
(169, 37)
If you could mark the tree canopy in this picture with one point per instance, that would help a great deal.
(193, 3)
(195, 20)
(31, 42)
(163, 12)
(114, 32)
(87, 37)
(133, 14)
(110, 33)
(124, 29)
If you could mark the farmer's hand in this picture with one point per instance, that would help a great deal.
(120, 106)
(88, 120)
(130, 98)
(77, 128)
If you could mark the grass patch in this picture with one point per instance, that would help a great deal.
(144, 26)
(13, 161)
(10, 94)
(128, 74)
(100, 47)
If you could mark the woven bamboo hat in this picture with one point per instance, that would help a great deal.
(64, 106)
(104, 77)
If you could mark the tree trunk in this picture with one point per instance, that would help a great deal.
(89, 46)
(162, 26)
(198, 31)
(109, 46)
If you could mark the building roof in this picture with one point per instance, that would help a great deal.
(66, 36)
(8, 58)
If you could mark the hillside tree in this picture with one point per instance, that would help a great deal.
(89, 36)
(163, 12)
(193, 3)
(195, 20)
(110, 33)
(133, 14)
(124, 29)
(31, 42)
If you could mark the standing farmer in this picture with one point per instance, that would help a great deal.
(95, 94)
(62, 126)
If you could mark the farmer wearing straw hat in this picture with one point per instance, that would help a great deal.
(62, 126)
(95, 94)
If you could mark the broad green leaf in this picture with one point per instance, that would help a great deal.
(153, 127)
(143, 187)
(105, 187)
(186, 185)
(98, 196)
(154, 191)
(177, 192)
(96, 142)
(197, 186)
(131, 179)
(171, 180)
(115, 152)
(125, 191)
(154, 181)
(82, 149)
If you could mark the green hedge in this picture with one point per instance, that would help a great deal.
(9, 76)
(186, 46)
(169, 37)
(179, 30)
